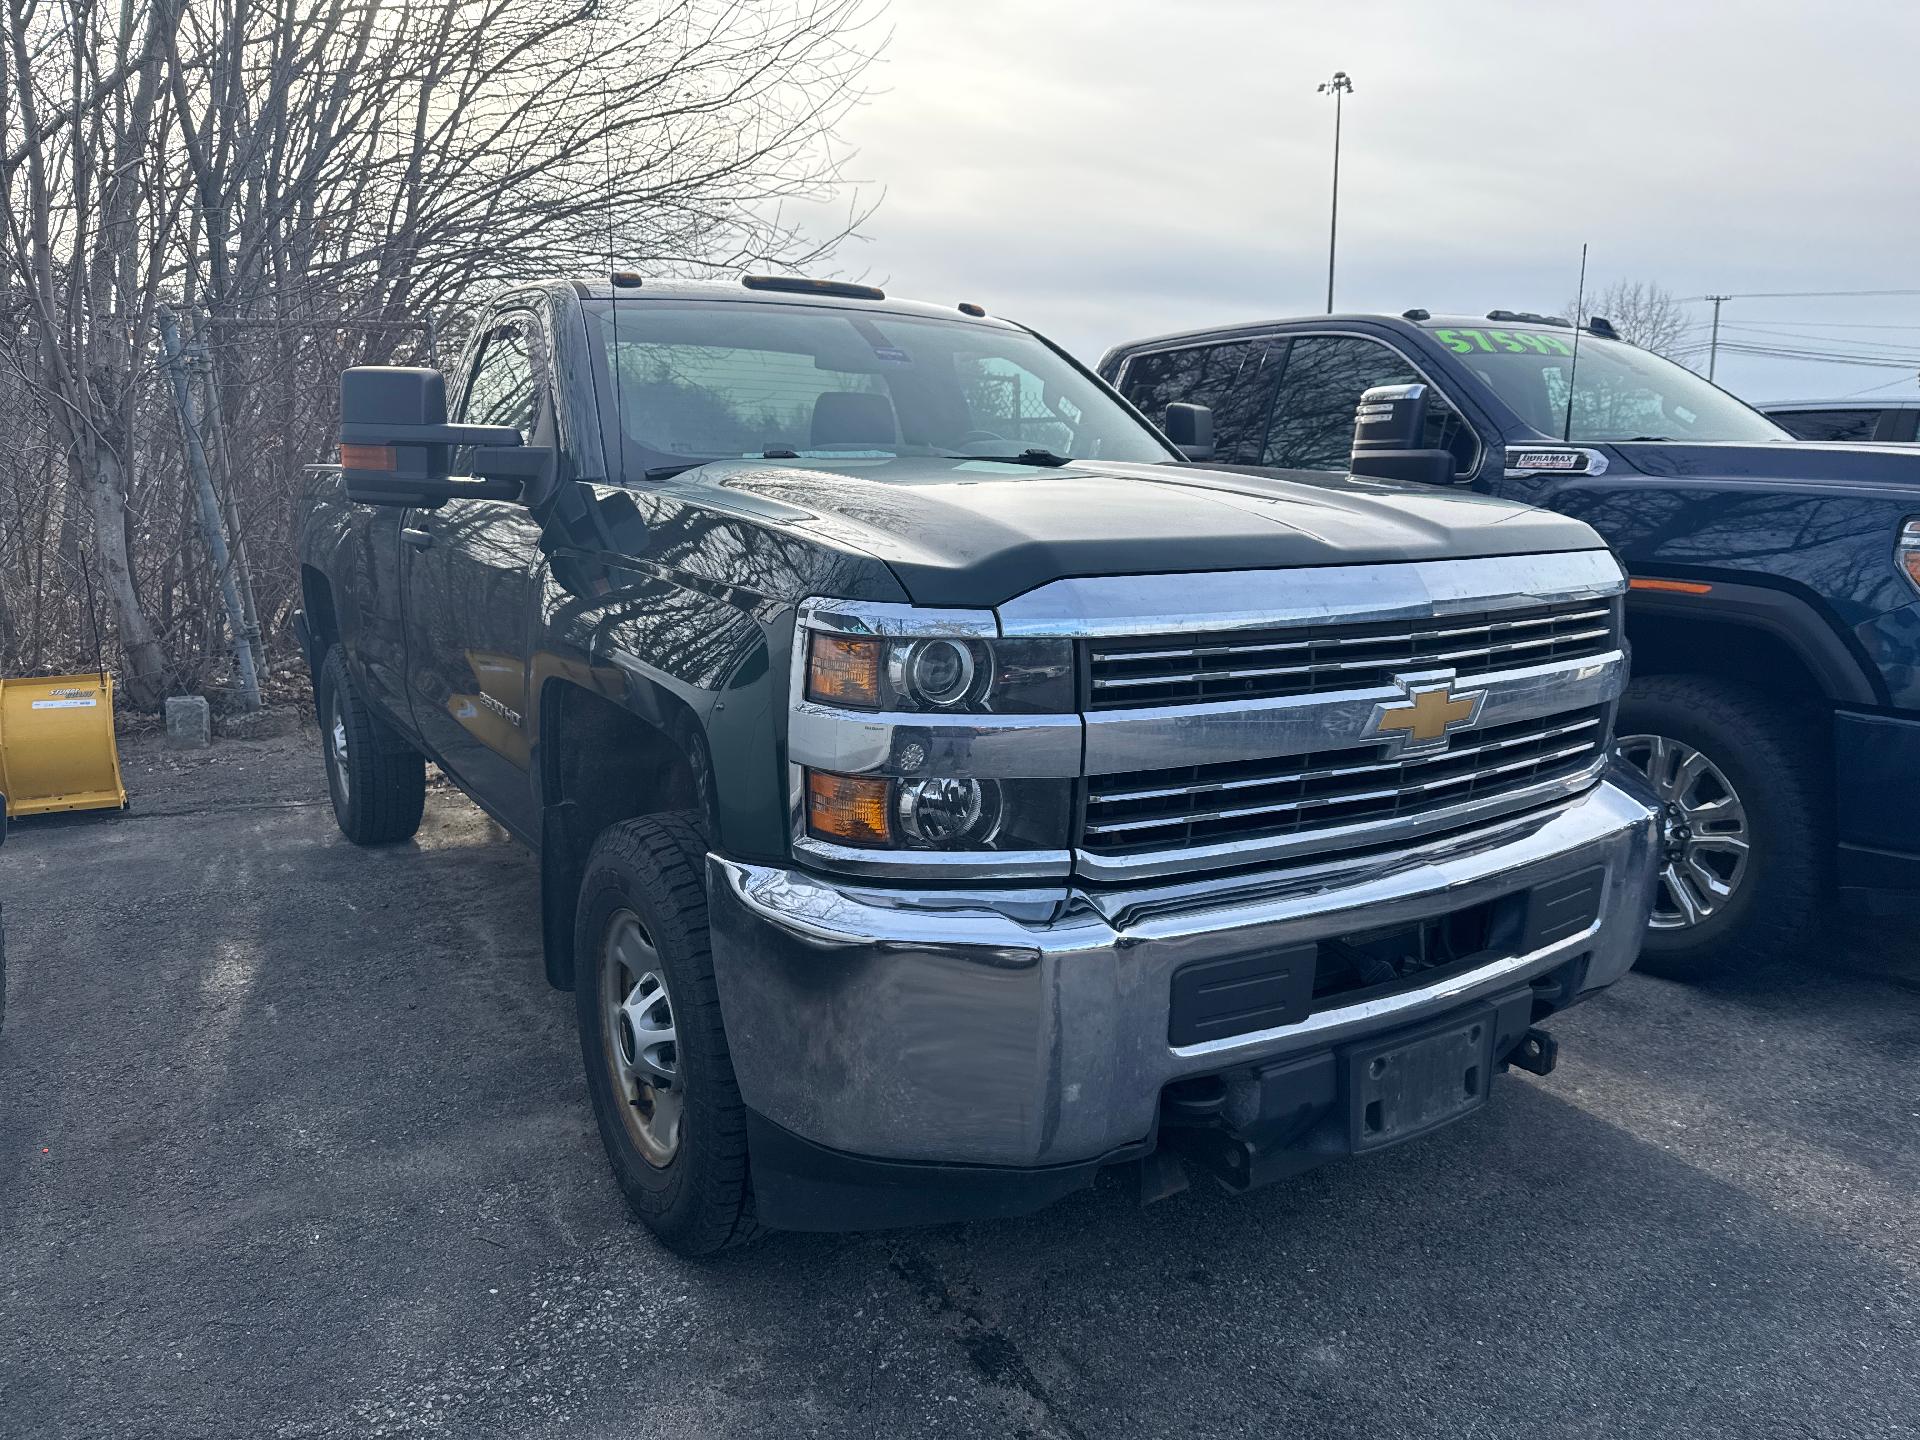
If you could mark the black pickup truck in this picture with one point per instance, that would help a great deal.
(942, 790)
(1774, 613)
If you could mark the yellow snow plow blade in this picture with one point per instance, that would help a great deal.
(56, 745)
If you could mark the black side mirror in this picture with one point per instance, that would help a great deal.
(396, 444)
(1190, 428)
(1388, 429)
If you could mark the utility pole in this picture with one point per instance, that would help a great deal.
(1713, 345)
(211, 527)
(1338, 87)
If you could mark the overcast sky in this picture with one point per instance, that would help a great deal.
(1105, 169)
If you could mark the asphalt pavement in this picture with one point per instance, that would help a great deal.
(294, 1143)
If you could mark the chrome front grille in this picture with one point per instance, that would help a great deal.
(1261, 665)
(1315, 796)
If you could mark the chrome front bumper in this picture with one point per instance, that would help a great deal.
(1027, 1030)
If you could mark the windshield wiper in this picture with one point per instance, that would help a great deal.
(667, 472)
(1651, 439)
(1033, 456)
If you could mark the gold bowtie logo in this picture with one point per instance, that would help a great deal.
(1430, 714)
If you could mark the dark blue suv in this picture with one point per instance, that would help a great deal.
(1775, 602)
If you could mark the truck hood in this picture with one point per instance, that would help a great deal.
(978, 533)
(1874, 469)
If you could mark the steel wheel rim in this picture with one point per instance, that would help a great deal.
(1704, 837)
(337, 749)
(643, 1054)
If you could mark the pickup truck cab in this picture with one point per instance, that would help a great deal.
(943, 790)
(1774, 612)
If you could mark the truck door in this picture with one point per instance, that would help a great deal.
(1233, 378)
(470, 573)
(1321, 381)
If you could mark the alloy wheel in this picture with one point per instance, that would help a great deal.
(1703, 830)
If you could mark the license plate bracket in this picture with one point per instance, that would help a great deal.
(1409, 1085)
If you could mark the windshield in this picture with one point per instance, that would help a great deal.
(1621, 391)
(729, 380)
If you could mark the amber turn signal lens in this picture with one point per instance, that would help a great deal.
(843, 671)
(1670, 587)
(367, 457)
(849, 808)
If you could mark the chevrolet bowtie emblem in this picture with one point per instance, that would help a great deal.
(1431, 712)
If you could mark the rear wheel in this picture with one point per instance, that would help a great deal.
(378, 781)
(1744, 821)
(658, 1070)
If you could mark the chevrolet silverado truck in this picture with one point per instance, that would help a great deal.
(1774, 609)
(942, 791)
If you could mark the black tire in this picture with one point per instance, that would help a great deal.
(1772, 758)
(698, 1199)
(377, 781)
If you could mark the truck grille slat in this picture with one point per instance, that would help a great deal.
(1154, 672)
(1180, 808)
(1390, 767)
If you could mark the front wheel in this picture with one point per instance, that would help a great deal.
(1744, 821)
(658, 1069)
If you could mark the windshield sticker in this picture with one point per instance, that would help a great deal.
(1682, 413)
(1467, 342)
(892, 355)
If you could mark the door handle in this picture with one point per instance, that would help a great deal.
(419, 539)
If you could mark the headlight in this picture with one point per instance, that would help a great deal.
(1907, 553)
(940, 672)
(925, 745)
(946, 812)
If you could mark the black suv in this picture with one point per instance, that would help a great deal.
(1775, 602)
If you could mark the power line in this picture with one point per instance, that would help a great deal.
(1790, 295)
(1828, 324)
(1881, 362)
(1876, 389)
(1860, 345)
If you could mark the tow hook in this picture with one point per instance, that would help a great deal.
(1193, 1128)
(1536, 1052)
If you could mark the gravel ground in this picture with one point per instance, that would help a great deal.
(293, 1142)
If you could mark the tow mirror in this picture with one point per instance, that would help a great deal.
(1388, 429)
(396, 447)
(1190, 428)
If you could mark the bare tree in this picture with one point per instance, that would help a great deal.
(1642, 312)
(320, 183)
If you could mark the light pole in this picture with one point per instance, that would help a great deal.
(1337, 87)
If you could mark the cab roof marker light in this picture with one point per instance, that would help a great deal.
(626, 279)
(800, 285)
(1527, 317)
(1669, 587)
(967, 307)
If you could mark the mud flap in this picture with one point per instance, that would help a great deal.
(563, 857)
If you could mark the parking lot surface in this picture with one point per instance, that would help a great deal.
(293, 1142)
